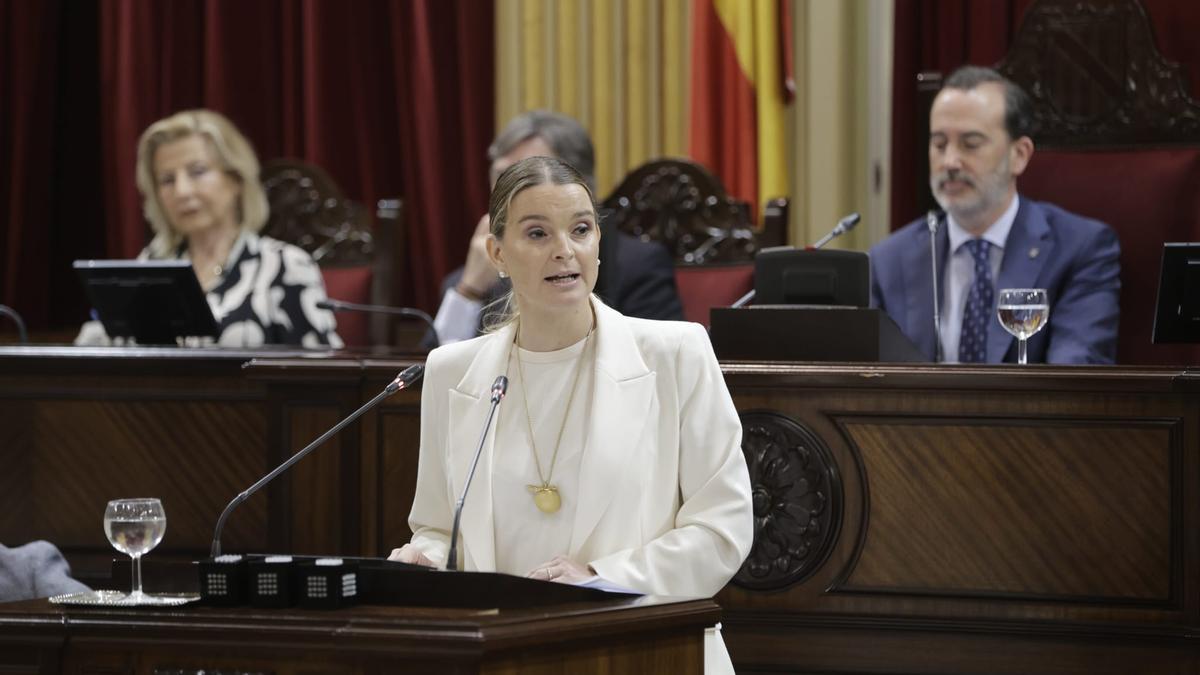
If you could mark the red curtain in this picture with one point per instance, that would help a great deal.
(392, 97)
(937, 35)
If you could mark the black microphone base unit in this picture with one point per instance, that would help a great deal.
(331, 582)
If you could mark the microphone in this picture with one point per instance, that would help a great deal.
(499, 388)
(12, 314)
(342, 306)
(741, 302)
(931, 220)
(844, 225)
(405, 379)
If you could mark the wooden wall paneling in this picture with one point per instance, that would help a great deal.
(996, 520)
(87, 426)
(396, 451)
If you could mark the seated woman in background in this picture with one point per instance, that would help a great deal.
(198, 176)
(618, 451)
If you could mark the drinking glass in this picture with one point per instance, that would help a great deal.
(135, 526)
(1023, 312)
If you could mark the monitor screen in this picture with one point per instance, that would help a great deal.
(152, 301)
(791, 276)
(1177, 317)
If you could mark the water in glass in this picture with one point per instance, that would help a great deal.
(1022, 312)
(134, 527)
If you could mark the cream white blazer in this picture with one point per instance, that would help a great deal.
(664, 505)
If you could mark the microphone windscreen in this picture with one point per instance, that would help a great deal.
(410, 374)
(499, 387)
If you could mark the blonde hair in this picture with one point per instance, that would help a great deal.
(233, 151)
(527, 173)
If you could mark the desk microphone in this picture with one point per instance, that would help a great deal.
(931, 220)
(11, 313)
(342, 306)
(405, 379)
(499, 388)
(844, 225)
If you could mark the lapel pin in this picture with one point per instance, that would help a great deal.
(1033, 252)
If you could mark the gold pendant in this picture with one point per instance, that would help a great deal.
(545, 497)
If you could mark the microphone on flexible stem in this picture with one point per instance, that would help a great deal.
(741, 302)
(12, 314)
(499, 388)
(931, 220)
(844, 225)
(405, 379)
(342, 306)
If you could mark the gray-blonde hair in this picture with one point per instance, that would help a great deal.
(527, 173)
(233, 151)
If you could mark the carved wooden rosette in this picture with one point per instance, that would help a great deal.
(682, 205)
(309, 210)
(797, 501)
(1096, 78)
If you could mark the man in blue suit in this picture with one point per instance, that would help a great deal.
(991, 238)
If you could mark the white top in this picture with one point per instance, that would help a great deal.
(517, 518)
(960, 274)
(457, 317)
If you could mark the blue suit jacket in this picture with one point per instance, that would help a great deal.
(1074, 258)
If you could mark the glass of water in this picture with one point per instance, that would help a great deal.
(1023, 312)
(134, 527)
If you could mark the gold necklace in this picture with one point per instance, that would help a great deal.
(545, 495)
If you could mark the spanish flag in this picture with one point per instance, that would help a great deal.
(741, 84)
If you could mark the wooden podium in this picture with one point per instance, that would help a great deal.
(639, 635)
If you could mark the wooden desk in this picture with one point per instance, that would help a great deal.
(645, 635)
(948, 519)
(982, 520)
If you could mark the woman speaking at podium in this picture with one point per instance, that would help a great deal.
(617, 451)
(198, 177)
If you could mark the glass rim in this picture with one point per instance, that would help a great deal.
(132, 500)
(1022, 290)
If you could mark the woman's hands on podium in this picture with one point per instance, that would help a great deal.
(563, 570)
(410, 554)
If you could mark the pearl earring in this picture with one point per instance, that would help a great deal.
(503, 275)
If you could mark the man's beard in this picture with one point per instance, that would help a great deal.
(990, 191)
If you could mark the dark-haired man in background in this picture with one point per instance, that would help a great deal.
(637, 278)
(990, 239)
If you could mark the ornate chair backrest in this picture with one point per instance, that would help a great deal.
(309, 210)
(710, 235)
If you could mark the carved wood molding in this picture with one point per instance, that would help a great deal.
(682, 205)
(1096, 77)
(797, 501)
(309, 210)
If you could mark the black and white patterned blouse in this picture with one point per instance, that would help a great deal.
(268, 294)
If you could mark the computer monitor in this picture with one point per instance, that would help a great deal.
(152, 301)
(1177, 317)
(784, 275)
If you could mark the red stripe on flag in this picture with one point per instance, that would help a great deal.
(723, 124)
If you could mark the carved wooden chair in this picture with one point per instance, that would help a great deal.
(1118, 140)
(679, 204)
(309, 210)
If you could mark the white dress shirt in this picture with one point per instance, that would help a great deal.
(457, 317)
(960, 274)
